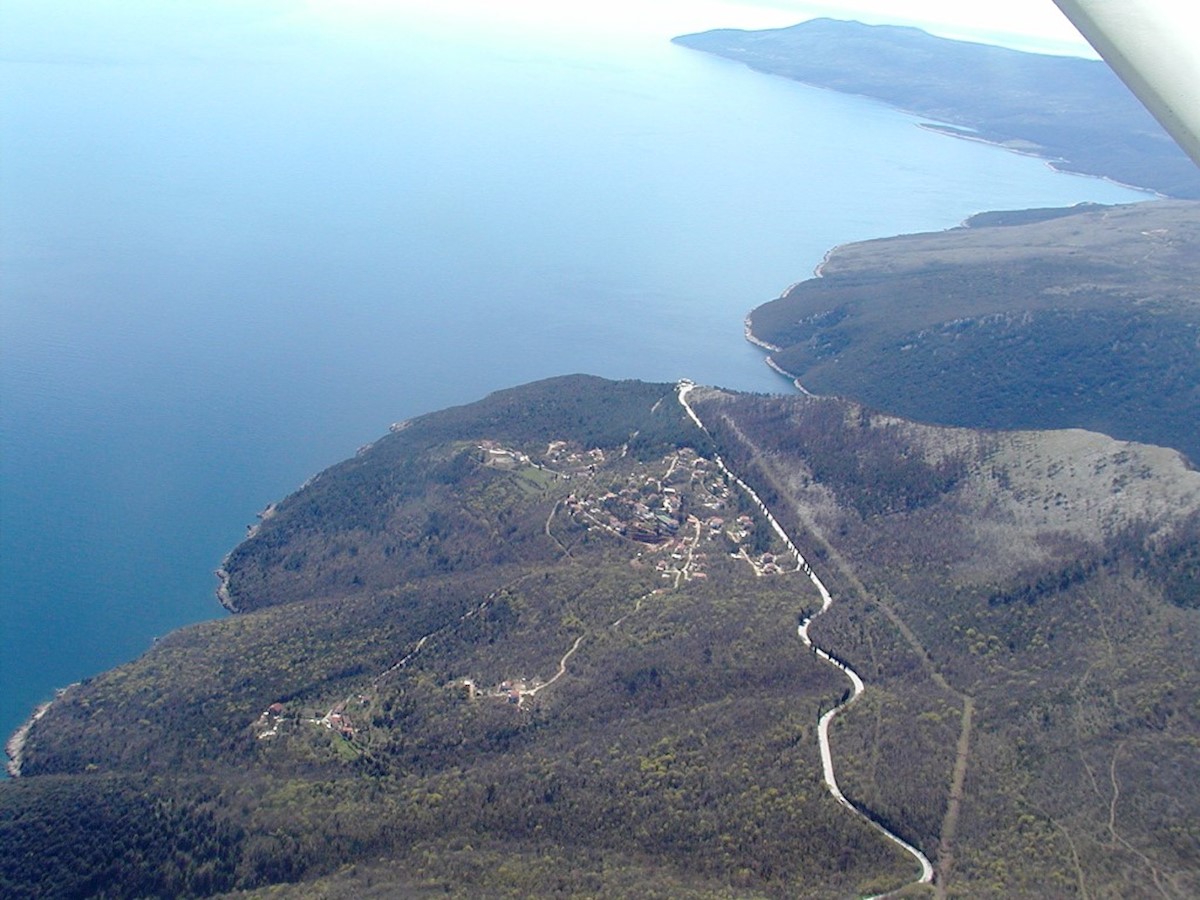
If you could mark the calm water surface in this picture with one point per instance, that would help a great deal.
(231, 255)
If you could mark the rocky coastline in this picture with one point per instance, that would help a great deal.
(1035, 151)
(788, 375)
(756, 341)
(224, 597)
(14, 747)
(748, 333)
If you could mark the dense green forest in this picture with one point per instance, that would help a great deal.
(541, 645)
(1042, 319)
(1074, 112)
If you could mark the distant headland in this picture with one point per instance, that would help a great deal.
(1073, 112)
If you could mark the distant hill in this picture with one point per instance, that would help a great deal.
(1086, 317)
(546, 645)
(1074, 112)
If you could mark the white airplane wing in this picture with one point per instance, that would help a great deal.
(1154, 47)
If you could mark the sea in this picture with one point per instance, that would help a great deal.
(239, 240)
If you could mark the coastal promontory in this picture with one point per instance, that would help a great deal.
(1085, 317)
(595, 638)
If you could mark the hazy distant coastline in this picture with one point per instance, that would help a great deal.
(1072, 112)
(1057, 164)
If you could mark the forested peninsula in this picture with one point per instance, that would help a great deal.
(570, 640)
(1073, 112)
(1085, 317)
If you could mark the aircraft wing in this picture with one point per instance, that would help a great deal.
(1152, 45)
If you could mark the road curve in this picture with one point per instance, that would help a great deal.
(684, 388)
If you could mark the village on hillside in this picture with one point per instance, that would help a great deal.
(675, 514)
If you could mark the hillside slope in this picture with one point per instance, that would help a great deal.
(1025, 602)
(543, 645)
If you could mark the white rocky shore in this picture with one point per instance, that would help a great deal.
(223, 595)
(770, 360)
(748, 330)
(15, 746)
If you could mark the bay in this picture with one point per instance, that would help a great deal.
(230, 255)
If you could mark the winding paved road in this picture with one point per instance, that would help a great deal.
(686, 387)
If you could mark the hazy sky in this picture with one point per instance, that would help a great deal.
(146, 26)
(1030, 24)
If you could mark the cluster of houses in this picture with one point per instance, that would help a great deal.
(501, 457)
(648, 508)
(274, 716)
(683, 564)
(268, 723)
(565, 454)
(511, 690)
(671, 511)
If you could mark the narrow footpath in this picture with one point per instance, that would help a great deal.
(685, 387)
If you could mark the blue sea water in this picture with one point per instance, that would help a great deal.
(236, 246)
